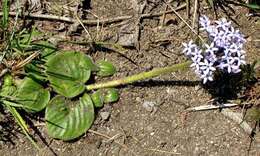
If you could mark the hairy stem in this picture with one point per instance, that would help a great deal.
(140, 76)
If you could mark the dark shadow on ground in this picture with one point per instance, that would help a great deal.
(227, 86)
(155, 83)
(86, 4)
(29, 119)
(7, 132)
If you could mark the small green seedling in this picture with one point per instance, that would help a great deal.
(70, 112)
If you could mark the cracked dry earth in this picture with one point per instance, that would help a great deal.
(150, 117)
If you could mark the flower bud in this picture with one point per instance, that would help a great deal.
(97, 98)
(106, 68)
(111, 95)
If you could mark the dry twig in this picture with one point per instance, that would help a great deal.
(188, 8)
(91, 22)
(180, 17)
(195, 13)
(138, 24)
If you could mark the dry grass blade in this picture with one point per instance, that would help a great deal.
(3, 72)
(180, 17)
(211, 107)
(26, 61)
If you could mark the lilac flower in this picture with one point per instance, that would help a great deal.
(206, 66)
(196, 56)
(234, 48)
(237, 37)
(240, 60)
(212, 31)
(211, 48)
(225, 51)
(189, 48)
(204, 22)
(220, 39)
(228, 65)
(222, 24)
(207, 77)
(196, 67)
(210, 52)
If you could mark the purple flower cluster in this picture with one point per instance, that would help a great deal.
(225, 51)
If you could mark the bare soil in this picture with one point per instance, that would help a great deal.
(166, 128)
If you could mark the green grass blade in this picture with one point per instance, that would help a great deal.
(253, 6)
(5, 14)
(22, 124)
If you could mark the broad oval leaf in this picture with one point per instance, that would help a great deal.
(68, 71)
(67, 120)
(32, 95)
(47, 49)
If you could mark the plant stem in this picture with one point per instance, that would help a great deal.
(140, 76)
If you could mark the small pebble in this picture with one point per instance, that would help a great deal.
(197, 87)
(149, 105)
(138, 99)
(105, 115)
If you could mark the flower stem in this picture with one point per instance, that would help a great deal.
(140, 76)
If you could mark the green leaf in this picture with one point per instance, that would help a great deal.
(253, 6)
(111, 95)
(67, 120)
(8, 80)
(5, 13)
(26, 36)
(34, 71)
(98, 98)
(48, 50)
(104, 95)
(22, 124)
(32, 95)
(106, 68)
(68, 71)
(8, 88)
